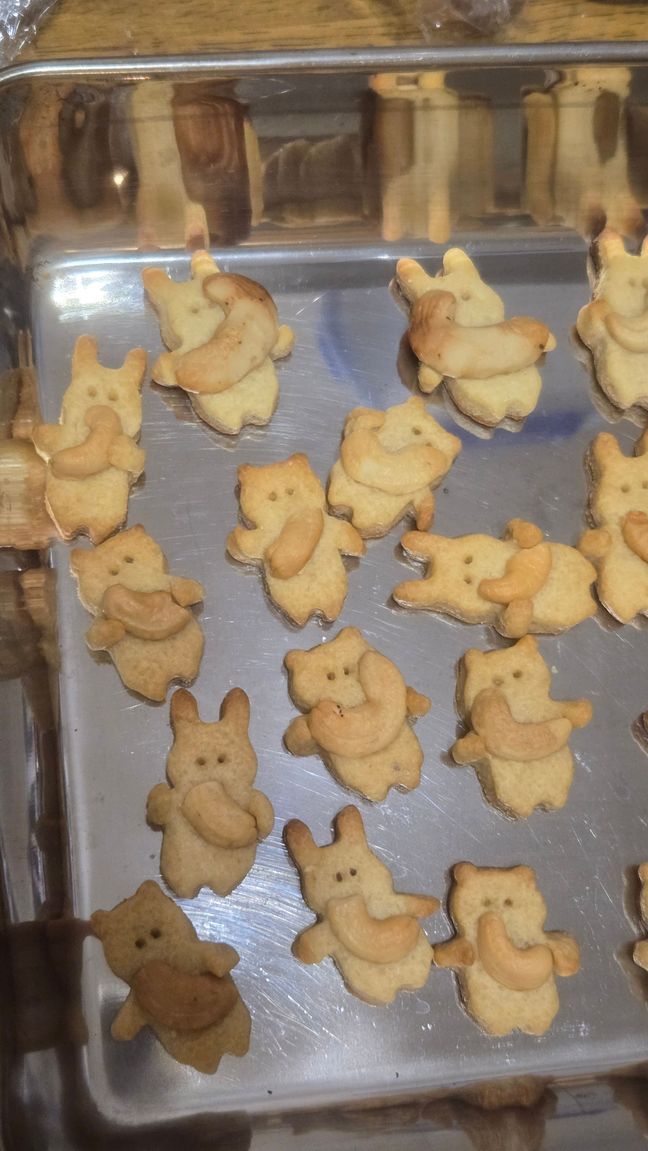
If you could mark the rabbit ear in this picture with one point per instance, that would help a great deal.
(183, 707)
(84, 356)
(605, 448)
(349, 825)
(300, 844)
(608, 245)
(235, 709)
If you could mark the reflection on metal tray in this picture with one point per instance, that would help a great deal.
(315, 187)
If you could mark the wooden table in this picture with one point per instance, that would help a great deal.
(122, 27)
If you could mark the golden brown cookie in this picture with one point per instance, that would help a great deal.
(640, 952)
(180, 987)
(293, 539)
(222, 333)
(505, 961)
(614, 326)
(389, 464)
(142, 612)
(211, 816)
(518, 737)
(371, 932)
(519, 584)
(458, 333)
(357, 711)
(91, 454)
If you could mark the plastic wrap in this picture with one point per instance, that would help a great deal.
(483, 15)
(19, 23)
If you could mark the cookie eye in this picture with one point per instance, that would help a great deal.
(129, 559)
(155, 933)
(339, 876)
(113, 397)
(487, 903)
(272, 496)
(290, 491)
(114, 571)
(468, 559)
(508, 902)
(417, 431)
(92, 393)
(330, 675)
(353, 871)
(517, 674)
(497, 681)
(625, 488)
(195, 310)
(222, 759)
(644, 484)
(201, 761)
(632, 282)
(467, 579)
(644, 283)
(465, 295)
(347, 671)
(140, 943)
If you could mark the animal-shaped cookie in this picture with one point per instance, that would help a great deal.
(614, 326)
(211, 816)
(92, 455)
(505, 961)
(371, 932)
(640, 952)
(223, 334)
(518, 737)
(298, 545)
(357, 707)
(519, 584)
(458, 333)
(143, 620)
(389, 464)
(618, 545)
(180, 986)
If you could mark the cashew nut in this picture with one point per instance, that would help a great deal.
(517, 968)
(146, 615)
(630, 332)
(526, 573)
(634, 528)
(295, 544)
(182, 1001)
(376, 940)
(371, 726)
(367, 462)
(242, 342)
(503, 736)
(92, 456)
(217, 818)
(473, 353)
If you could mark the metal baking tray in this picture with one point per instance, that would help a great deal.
(90, 178)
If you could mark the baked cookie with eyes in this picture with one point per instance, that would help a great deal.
(506, 962)
(371, 932)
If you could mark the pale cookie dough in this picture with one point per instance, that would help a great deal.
(518, 737)
(180, 986)
(505, 961)
(519, 584)
(143, 620)
(91, 454)
(618, 545)
(211, 816)
(458, 333)
(223, 334)
(371, 932)
(298, 545)
(389, 464)
(357, 710)
(640, 952)
(614, 326)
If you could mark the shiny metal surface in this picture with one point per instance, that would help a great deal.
(326, 249)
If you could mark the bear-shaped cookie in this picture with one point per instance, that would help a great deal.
(371, 932)
(91, 454)
(389, 464)
(618, 545)
(180, 986)
(519, 584)
(357, 707)
(458, 333)
(518, 737)
(640, 952)
(505, 960)
(614, 326)
(294, 540)
(211, 816)
(223, 334)
(143, 620)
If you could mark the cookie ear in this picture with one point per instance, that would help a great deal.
(609, 245)
(349, 825)
(456, 258)
(300, 844)
(78, 557)
(462, 872)
(471, 658)
(235, 709)
(134, 366)
(183, 707)
(528, 645)
(99, 923)
(293, 659)
(84, 356)
(605, 449)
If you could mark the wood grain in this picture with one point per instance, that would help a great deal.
(121, 27)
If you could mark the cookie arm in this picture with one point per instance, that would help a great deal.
(348, 538)
(420, 906)
(245, 544)
(127, 456)
(640, 954)
(263, 813)
(219, 958)
(186, 591)
(298, 738)
(313, 944)
(104, 634)
(417, 705)
(129, 1020)
(469, 749)
(424, 509)
(595, 544)
(577, 711)
(565, 951)
(46, 438)
(455, 953)
(285, 343)
(159, 804)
